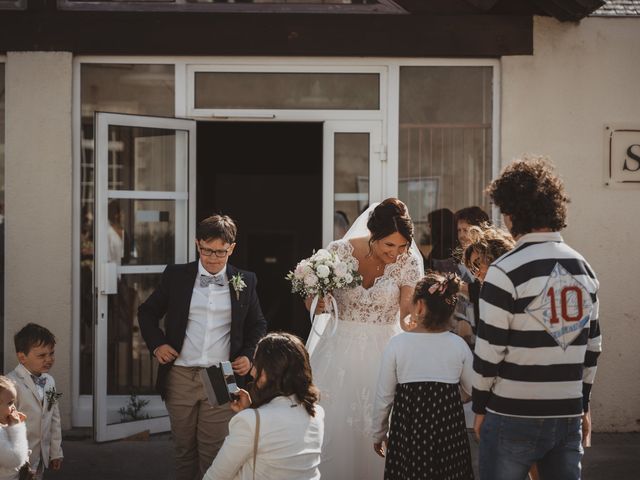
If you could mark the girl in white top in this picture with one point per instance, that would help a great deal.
(14, 448)
(420, 376)
(291, 425)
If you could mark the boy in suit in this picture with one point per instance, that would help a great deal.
(37, 397)
(212, 314)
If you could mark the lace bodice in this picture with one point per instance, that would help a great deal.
(380, 303)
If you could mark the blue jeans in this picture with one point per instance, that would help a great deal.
(510, 445)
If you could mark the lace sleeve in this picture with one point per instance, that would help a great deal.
(342, 248)
(410, 271)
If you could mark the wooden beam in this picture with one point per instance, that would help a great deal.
(170, 33)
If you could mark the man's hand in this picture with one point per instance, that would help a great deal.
(241, 365)
(477, 425)
(380, 448)
(55, 463)
(586, 429)
(165, 354)
(242, 401)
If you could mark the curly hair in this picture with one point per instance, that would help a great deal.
(285, 361)
(531, 194)
(489, 242)
(441, 303)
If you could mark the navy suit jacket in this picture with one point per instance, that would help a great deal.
(173, 299)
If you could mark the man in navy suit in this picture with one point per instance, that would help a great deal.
(212, 315)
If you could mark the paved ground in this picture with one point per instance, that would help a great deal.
(612, 457)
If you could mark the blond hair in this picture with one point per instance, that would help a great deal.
(7, 384)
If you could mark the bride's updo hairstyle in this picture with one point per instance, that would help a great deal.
(285, 361)
(440, 294)
(389, 217)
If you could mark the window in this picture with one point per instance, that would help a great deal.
(134, 89)
(287, 91)
(445, 142)
(251, 6)
(13, 5)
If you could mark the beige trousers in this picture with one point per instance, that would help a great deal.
(198, 428)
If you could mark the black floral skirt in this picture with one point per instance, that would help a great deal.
(428, 435)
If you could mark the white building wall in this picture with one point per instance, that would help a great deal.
(38, 186)
(556, 102)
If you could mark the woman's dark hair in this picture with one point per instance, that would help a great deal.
(389, 217)
(531, 194)
(285, 361)
(217, 226)
(442, 302)
(444, 234)
(472, 215)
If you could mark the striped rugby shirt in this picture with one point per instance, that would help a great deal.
(538, 335)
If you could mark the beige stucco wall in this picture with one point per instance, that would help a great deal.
(38, 196)
(556, 102)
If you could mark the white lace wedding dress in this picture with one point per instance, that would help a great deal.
(345, 367)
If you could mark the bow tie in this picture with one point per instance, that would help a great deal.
(206, 280)
(39, 381)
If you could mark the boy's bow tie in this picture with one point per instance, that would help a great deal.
(39, 381)
(206, 280)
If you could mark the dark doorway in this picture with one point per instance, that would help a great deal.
(268, 177)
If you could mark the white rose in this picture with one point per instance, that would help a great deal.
(310, 280)
(348, 278)
(341, 269)
(300, 271)
(322, 254)
(323, 271)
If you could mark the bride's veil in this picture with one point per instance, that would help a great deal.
(359, 229)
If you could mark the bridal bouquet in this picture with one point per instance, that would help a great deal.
(322, 273)
(318, 276)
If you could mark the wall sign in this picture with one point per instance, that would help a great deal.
(622, 155)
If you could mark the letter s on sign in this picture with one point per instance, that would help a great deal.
(634, 157)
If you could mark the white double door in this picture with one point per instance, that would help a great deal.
(145, 220)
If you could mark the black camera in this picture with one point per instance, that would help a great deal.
(220, 383)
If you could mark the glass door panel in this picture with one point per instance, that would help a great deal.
(352, 179)
(144, 170)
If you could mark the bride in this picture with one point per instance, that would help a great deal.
(345, 365)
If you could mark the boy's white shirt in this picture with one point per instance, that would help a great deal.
(43, 425)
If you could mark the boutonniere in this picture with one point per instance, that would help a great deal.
(238, 284)
(52, 397)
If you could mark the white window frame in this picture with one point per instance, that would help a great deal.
(305, 115)
(185, 67)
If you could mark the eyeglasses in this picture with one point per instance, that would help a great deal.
(207, 252)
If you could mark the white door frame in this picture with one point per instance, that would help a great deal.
(377, 159)
(106, 273)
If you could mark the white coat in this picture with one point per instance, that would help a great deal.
(289, 444)
(14, 450)
(43, 424)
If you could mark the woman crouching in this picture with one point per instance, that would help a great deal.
(279, 429)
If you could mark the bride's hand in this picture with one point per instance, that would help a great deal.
(407, 323)
(319, 308)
